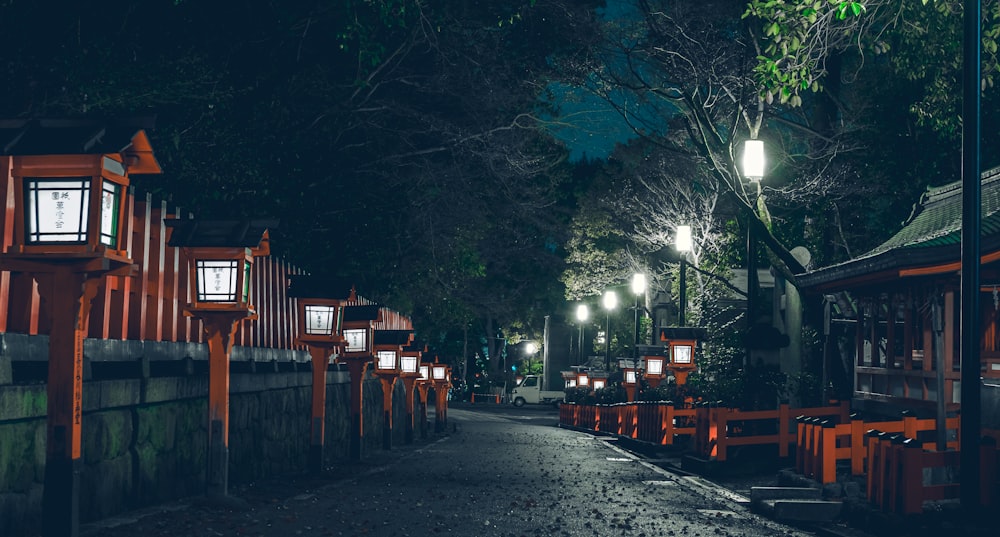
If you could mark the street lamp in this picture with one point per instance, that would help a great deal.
(440, 377)
(388, 346)
(582, 314)
(320, 307)
(610, 302)
(409, 367)
(423, 384)
(70, 227)
(358, 330)
(629, 377)
(683, 244)
(220, 254)
(753, 169)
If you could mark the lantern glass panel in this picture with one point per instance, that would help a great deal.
(629, 377)
(425, 372)
(408, 363)
(599, 383)
(356, 340)
(57, 210)
(386, 360)
(439, 372)
(654, 366)
(583, 380)
(571, 383)
(246, 282)
(217, 279)
(109, 213)
(321, 320)
(681, 354)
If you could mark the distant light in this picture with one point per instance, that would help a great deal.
(582, 312)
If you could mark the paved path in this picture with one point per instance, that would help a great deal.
(498, 472)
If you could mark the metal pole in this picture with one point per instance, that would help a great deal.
(607, 344)
(579, 357)
(751, 283)
(635, 343)
(683, 299)
(971, 212)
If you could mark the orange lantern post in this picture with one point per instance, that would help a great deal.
(68, 184)
(388, 350)
(629, 378)
(409, 365)
(423, 383)
(682, 342)
(655, 363)
(440, 375)
(220, 255)
(358, 331)
(320, 312)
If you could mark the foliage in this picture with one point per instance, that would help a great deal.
(922, 41)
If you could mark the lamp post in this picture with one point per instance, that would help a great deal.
(320, 309)
(423, 383)
(610, 302)
(753, 169)
(683, 244)
(220, 255)
(69, 231)
(439, 376)
(358, 330)
(582, 314)
(388, 350)
(409, 366)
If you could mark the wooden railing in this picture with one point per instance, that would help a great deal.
(898, 469)
(822, 443)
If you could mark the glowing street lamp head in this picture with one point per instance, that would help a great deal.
(610, 300)
(582, 312)
(638, 283)
(684, 242)
(753, 160)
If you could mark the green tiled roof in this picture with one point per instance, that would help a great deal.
(932, 235)
(938, 219)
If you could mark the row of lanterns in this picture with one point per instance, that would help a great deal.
(675, 355)
(71, 202)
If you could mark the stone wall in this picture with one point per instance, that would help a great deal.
(145, 439)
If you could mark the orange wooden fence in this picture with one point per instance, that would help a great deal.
(902, 475)
(822, 443)
(722, 428)
(713, 429)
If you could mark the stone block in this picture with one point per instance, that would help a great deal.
(806, 510)
(23, 402)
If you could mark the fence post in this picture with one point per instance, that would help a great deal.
(912, 484)
(800, 444)
(828, 452)
(721, 432)
(872, 464)
(857, 445)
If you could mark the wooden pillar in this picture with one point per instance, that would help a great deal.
(317, 433)
(67, 296)
(422, 393)
(409, 380)
(388, 384)
(220, 329)
(356, 367)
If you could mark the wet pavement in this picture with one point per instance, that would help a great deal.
(498, 471)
